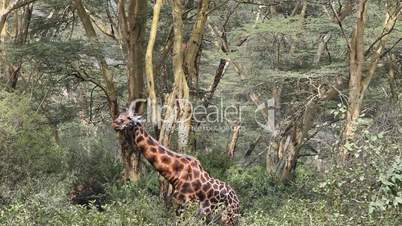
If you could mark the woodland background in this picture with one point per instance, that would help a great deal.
(324, 77)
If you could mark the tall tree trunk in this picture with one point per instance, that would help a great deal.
(129, 156)
(231, 147)
(178, 106)
(10, 8)
(22, 19)
(194, 44)
(136, 51)
(149, 64)
(393, 86)
(291, 134)
(358, 83)
(132, 39)
(356, 61)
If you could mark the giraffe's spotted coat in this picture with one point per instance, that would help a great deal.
(185, 173)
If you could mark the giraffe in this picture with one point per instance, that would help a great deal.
(189, 180)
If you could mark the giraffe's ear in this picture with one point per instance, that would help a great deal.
(130, 109)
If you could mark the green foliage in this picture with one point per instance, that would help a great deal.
(50, 56)
(26, 142)
(215, 163)
(47, 205)
(91, 152)
(390, 192)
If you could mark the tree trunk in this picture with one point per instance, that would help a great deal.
(233, 140)
(194, 44)
(321, 47)
(180, 84)
(289, 137)
(149, 64)
(21, 20)
(129, 157)
(357, 83)
(393, 86)
(178, 106)
(132, 40)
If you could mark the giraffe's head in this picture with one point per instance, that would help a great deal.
(126, 120)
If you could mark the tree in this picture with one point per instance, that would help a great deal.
(194, 44)
(359, 80)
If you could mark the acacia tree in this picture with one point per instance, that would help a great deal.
(359, 79)
(21, 12)
(194, 44)
(133, 43)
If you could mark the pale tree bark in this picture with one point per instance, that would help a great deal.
(356, 60)
(231, 147)
(132, 40)
(393, 86)
(155, 117)
(129, 157)
(178, 107)
(16, 33)
(180, 85)
(10, 8)
(194, 44)
(132, 35)
(4, 37)
(358, 83)
(293, 132)
(324, 38)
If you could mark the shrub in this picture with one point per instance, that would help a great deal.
(26, 142)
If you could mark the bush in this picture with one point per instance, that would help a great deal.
(26, 142)
(390, 192)
(91, 152)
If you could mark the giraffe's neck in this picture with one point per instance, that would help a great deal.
(159, 156)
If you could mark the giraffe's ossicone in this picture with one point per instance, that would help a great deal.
(185, 173)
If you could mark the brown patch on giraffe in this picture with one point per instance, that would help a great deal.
(139, 139)
(194, 164)
(196, 185)
(177, 166)
(196, 173)
(186, 188)
(150, 141)
(189, 175)
(215, 186)
(206, 186)
(210, 193)
(182, 197)
(203, 180)
(165, 160)
(152, 158)
(200, 195)
(184, 161)
(161, 150)
(153, 150)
